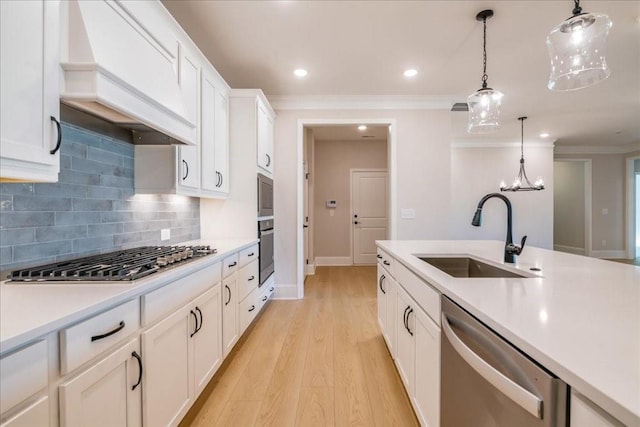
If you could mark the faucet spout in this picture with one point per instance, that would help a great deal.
(510, 250)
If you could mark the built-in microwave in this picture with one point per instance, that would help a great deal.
(265, 196)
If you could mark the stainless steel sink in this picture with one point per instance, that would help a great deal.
(468, 267)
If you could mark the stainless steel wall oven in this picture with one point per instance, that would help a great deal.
(265, 196)
(265, 233)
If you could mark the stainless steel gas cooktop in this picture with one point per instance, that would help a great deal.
(123, 265)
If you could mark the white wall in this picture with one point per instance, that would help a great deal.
(569, 206)
(476, 171)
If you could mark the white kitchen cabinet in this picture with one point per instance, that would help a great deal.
(405, 348)
(181, 355)
(230, 332)
(36, 414)
(30, 109)
(426, 397)
(265, 137)
(584, 413)
(248, 309)
(207, 342)
(387, 295)
(109, 393)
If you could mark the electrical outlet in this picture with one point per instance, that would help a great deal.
(165, 234)
(604, 243)
(408, 213)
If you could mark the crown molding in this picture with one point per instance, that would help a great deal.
(605, 149)
(498, 143)
(362, 102)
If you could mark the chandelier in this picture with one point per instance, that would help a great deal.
(522, 183)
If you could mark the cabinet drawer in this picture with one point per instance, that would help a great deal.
(426, 297)
(249, 308)
(23, 374)
(84, 341)
(265, 294)
(386, 261)
(229, 265)
(247, 255)
(248, 279)
(159, 303)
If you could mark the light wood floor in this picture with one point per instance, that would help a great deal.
(320, 361)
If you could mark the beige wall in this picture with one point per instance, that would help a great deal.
(608, 189)
(569, 206)
(476, 171)
(333, 161)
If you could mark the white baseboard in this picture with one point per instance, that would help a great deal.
(569, 249)
(333, 260)
(284, 291)
(310, 269)
(609, 254)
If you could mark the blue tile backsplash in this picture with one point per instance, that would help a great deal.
(91, 209)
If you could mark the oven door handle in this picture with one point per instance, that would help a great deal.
(527, 400)
(266, 232)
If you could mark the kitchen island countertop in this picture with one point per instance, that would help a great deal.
(579, 317)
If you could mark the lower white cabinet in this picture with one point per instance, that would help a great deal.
(584, 413)
(248, 309)
(426, 396)
(36, 414)
(387, 295)
(173, 370)
(405, 349)
(230, 331)
(106, 394)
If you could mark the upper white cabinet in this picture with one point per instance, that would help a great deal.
(265, 136)
(29, 113)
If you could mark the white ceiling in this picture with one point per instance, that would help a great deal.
(362, 47)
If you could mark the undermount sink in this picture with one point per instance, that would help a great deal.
(469, 267)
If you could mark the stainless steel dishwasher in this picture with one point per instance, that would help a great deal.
(488, 382)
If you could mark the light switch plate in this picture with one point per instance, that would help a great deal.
(408, 213)
(165, 234)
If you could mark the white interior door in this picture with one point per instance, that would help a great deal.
(369, 206)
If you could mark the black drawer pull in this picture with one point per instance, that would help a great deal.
(385, 262)
(253, 307)
(201, 320)
(229, 299)
(264, 298)
(108, 334)
(139, 359)
(251, 254)
(186, 166)
(271, 289)
(382, 277)
(379, 256)
(233, 264)
(409, 314)
(251, 278)
(59, 140)
(195, 316)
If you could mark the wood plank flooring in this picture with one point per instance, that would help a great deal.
(320, 361)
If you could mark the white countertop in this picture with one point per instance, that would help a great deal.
(31, 310)
(580, 319)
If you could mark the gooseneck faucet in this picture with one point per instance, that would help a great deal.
(510, 250)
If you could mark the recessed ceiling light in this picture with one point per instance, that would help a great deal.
(300, 72)
(411, 72)
(545, 135)
(362, 128)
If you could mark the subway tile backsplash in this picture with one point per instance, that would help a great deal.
(91, 209)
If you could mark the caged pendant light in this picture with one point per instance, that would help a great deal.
(484, 104)
(577, 50)
(522, 183)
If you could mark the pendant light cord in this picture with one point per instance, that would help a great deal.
(484, 54)
(522, 139)
(577, 10)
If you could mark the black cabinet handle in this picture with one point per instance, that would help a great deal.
(251, 254)
(59, 141)
(385, 262)
(268, 160)
(233, 264)
(108, 334)
(139, 359)
(195, 316)
(379, 256)
(221, 179)
(409, 314)
(186, 166)
(264, 298)
(405, 317)
(229, 299)
(382, 277)
(253, 307)
(251, 278)
(201, 320)
(271, 289)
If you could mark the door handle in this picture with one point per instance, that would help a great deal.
(356, 222)
(186, 166)
(201, 320)
(527, 400)
(382, 277)
(139, 359)
(59, 140)
(195, 316)
(229, 299)
(408, 328)
(305, 226)
(404, 317)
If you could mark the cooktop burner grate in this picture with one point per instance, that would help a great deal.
(128, 264)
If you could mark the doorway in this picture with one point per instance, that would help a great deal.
(633, 208)
(572, 225)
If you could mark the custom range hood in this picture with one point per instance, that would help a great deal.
(118, 63)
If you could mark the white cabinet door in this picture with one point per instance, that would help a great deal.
(382, 304)
(168, 382)
(188, 168)
(222, 139)
(230, 301)
(584, 413)
(391, 289)
(265, 138)
(207, 342)
(210, 178)
(405, 348)
(29, 38)
(426, 399)
(36, 414)
(107, 394)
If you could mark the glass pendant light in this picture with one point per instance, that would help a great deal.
(577, 50)
(522, 183)
(484, 104)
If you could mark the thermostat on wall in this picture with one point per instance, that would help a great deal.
(332, 204)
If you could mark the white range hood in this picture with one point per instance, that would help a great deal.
(120, 61)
